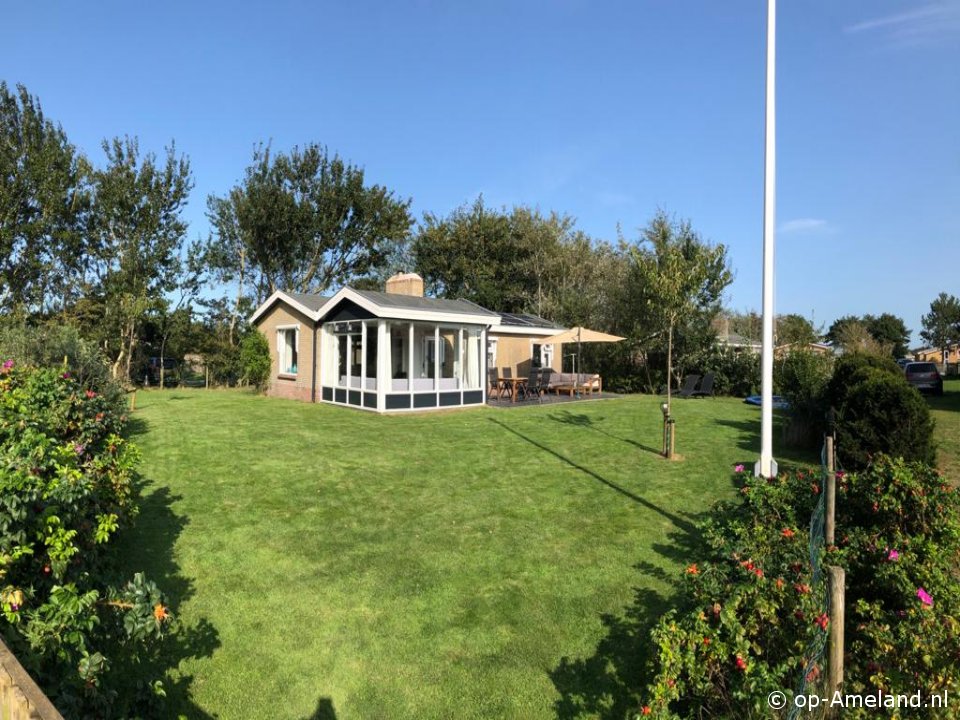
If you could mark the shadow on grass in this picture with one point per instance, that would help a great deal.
(675, 519)
(324, 711)
(609, 684)
(585, 421)
(148, 547)
(748, 439)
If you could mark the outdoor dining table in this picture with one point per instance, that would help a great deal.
(515, 385)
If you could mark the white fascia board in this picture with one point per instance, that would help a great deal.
(280, 295)
(517, 330)
(392, 313)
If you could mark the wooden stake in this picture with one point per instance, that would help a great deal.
(133, 401)
(831, 491)
(673, 439)
(836, 581)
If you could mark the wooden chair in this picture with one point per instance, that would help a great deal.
(533, 384)
(506, 374)
(494, 386)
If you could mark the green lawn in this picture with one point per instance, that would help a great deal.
(946, 411)
(497, 563)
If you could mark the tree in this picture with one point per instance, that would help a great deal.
(941, 326)
(304, 222)
(43, 200)
(678, 277)
(889, 330)
(856, 337)
(473, 255)
(795, 330)
(836, 330)
(138, 233)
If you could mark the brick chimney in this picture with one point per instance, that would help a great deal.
(405, 284)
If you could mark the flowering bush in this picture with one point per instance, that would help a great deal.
(66, 488)
(751, 609)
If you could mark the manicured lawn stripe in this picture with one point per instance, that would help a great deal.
(420, 566)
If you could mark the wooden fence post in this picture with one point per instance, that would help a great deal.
(831, 491)
(837, 578)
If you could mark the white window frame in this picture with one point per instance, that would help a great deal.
(282, 330)
(546, 353)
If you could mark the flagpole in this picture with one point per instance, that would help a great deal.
(766, 466)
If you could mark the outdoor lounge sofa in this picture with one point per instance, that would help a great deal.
(575, 382)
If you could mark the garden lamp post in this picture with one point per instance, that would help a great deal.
(766, 466)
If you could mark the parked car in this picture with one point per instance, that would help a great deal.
(924, 376)
(903, 362)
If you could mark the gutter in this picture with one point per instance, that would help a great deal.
(313, 374)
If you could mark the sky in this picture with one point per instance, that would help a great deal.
(605, 111)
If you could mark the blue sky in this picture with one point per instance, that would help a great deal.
(602, 110)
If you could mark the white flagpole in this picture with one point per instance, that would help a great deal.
(767, 466)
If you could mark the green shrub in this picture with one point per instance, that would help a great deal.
(802, 378)
(736, 374)
(851, 367)
(66, 488)
(51, 345)
(882, 413)
(751, 608)
(255, 359)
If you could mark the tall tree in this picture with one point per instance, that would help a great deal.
(303, 221)
(678, 277)
(139, 231)
(43, 201)
(836, 331)
(795, 329)
(941, 326)
(889, 330)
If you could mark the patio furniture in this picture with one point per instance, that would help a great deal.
(532, 386)
(706, 386)
(571, 383)
(689, 386)
(506, 381)
(493, 383)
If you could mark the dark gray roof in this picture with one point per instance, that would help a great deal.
(411, 302)
(314, 302)
(525, 320)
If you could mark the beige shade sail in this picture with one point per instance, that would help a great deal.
(581, 335)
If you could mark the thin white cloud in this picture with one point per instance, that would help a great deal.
(923, 25)
(804, 225)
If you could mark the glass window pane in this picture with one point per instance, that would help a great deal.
(342, 360)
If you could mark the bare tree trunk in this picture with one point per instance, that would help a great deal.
(669, 363)
(163, 345)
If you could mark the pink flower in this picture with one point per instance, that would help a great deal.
(924, 597)
(66, 376)
(8, 366)
(91, 394)
(738, 468)
(893, 555)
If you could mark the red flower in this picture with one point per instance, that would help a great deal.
(693, 570)
(813, 674)
(780, 583)
(814, 488)
(822, 620)
(758, 572)
(706, 641)
(99, 417)
(788, 533)
(802, 588)
(646, 710)
(741, 664)
(91, 394)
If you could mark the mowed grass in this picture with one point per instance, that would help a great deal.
(485, 563)
(946, 411)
